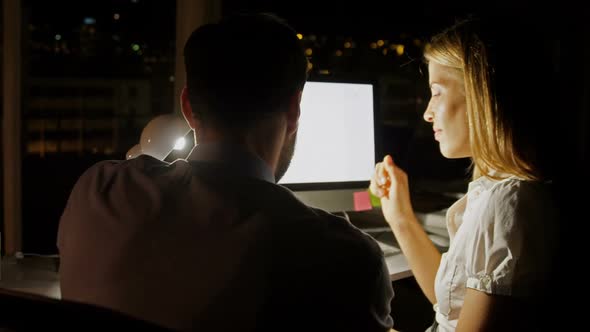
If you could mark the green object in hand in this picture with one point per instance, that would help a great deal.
(375, 201)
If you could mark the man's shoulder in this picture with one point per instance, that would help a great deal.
(143, 166)
(333, 235)
(142, 162)
(322, 224)
(350, 236)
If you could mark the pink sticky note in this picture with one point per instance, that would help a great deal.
(362, 201)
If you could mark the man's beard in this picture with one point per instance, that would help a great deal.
(285, 157)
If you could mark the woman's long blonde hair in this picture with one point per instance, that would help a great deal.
(491, 134)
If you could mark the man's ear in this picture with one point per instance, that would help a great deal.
(293, 113)
(187, 110)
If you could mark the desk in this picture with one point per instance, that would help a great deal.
(373, 223)
(21, 276)
(31, 275)
(398, 267)
(39, 275)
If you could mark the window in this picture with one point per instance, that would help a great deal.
(94, 73)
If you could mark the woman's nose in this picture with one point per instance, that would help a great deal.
(428, 114)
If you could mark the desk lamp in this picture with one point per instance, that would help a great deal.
(160, 136)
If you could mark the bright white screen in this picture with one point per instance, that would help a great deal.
(336, 138)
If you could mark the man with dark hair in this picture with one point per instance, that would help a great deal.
(212, 242)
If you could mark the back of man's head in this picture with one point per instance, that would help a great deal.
(243, 68)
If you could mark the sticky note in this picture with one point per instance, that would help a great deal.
(362, 201)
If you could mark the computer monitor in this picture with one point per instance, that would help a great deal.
(337, 144)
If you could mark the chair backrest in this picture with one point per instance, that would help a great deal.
(27, 312)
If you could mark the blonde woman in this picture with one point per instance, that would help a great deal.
(488, 105)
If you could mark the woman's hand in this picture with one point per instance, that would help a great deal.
(390, 184)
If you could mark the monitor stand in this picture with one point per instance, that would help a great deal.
(335, 200)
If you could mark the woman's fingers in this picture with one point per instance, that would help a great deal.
(388, 165)
(393, 173)
(375, 186)
(385, 176)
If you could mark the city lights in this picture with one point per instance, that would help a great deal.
(400, 49)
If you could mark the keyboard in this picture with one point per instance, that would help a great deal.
(388, 249)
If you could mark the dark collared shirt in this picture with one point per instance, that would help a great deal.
(212, 244)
